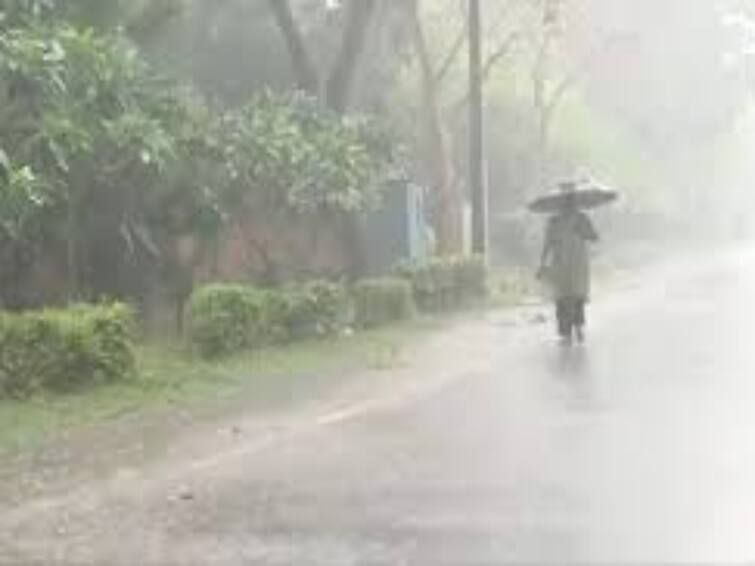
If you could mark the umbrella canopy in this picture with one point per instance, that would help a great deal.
(582, 198)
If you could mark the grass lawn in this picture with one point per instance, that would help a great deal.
(170, 379)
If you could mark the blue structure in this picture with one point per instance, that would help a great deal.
(399, 230)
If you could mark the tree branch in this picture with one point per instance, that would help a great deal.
(569, 79)
(304, 71)
(461, 39)
(487, 69)
(453, 53)
(502, 52)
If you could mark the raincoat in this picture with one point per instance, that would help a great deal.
(567, 254)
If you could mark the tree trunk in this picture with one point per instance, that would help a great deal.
(339, 85)
(541, 151)
(182, 267)
(304, 71)
(337, 89)
(72, 255)
(477, 184)
(449, 218)
(540, 105)
(338, 94)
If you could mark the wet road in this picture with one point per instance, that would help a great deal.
(639, 447)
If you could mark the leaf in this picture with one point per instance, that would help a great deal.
(59, 84)
(125, 233)
(55, 52)
(59, 155)
(5, 166)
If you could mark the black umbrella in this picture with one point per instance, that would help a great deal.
(582, 198)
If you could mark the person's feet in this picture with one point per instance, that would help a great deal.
(580, 332)
(566, 340)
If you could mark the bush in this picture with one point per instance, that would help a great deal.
(446, 283)
(64, 349)
(224, 319)
(380, 301)
(316, 308)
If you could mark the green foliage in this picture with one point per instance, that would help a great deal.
(309, 310)
(316, 308)
(13, 12)
(106, 163)
(24, 202)
(92, 136)
(446, 283)
(60, 350)
(289, 153)
(141, 18)
(381, 301)
(225, 319)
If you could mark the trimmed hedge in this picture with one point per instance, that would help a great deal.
(316, 308)
(380, 301)
(443, 284)
(64, 349)
(224, 319)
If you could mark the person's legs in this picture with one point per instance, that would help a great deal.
(564, 318)
(578, 318)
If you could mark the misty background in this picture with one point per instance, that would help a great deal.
(658, 102)
(652, 100)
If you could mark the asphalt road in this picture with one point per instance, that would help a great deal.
(636, 448)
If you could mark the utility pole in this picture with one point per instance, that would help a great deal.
(477, 183)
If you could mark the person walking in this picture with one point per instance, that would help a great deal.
(565, 262)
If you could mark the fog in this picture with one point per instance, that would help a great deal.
(269, 296)
(660, 106)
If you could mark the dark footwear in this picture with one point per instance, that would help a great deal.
(580, 335)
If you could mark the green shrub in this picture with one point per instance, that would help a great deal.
(224, 319)
(276, 309)
(446, 283)
(317, 308)
(380, 301)
(60, 350)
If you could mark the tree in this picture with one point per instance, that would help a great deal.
(335, 88)
(560, 61)
(25, 207)
(449, 200)
(291, 158)
(139, 18)
(98, 132)
(442, 107)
